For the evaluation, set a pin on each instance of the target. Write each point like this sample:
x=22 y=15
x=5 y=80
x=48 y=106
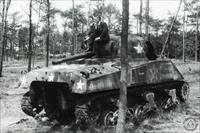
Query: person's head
x=97 y=18
x=91 y=19
x=149 y=45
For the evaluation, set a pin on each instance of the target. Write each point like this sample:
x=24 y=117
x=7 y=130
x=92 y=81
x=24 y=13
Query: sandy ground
x=12 y=119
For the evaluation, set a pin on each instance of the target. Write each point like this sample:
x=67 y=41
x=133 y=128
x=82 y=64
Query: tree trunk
x=30 y=37
x=11 y=50
x=140 y=26
x=76 y=41
x=137 y=25
x=196 y=37
x=124 y=69
x=82 y=28
x=147 y=21
x=5 y=42
x=73 y=32
x=48 y=30
x=3 y=34
x=103 y=11
x=5 y=27
x=156 y=33
x=109 y=22
x=183 y=32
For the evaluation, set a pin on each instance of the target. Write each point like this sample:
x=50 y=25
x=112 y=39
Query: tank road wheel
x=27 y=107
x=141 y=112
x=138 y=113
x=184 y=93
x=109 y=118
x=129 y=114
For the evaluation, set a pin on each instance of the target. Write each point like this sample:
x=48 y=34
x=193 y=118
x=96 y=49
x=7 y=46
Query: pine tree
x=140 y=24
x=47 y=30
x=147 y=20
x=4 y=32
x=30 y=37
x=124 y=69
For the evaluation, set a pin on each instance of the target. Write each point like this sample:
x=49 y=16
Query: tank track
x=101 y=108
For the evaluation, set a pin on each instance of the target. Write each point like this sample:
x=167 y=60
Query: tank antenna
x=164 y=46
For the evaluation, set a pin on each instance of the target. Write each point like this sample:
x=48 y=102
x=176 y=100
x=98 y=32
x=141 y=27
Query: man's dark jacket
x=102 y=32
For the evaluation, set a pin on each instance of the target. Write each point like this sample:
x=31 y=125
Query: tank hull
x=91 y=91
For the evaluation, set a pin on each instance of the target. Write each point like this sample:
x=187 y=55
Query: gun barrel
x=75 y=57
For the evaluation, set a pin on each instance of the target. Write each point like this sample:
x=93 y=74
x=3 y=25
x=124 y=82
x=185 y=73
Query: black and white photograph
x=99 y=66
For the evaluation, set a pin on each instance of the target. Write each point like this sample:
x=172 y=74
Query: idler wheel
x=184 y=92
x=141 y=112
x=109 y=118
x=27 y=107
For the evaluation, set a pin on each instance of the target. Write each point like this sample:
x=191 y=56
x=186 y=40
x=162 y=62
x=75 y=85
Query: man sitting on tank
x=150 y=52
x=98 y=34
x=91 y=34
x=101 y=33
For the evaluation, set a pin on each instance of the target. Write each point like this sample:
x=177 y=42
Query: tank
x=84 y=88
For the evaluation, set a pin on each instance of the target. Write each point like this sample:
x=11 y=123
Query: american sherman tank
x=84 y=88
